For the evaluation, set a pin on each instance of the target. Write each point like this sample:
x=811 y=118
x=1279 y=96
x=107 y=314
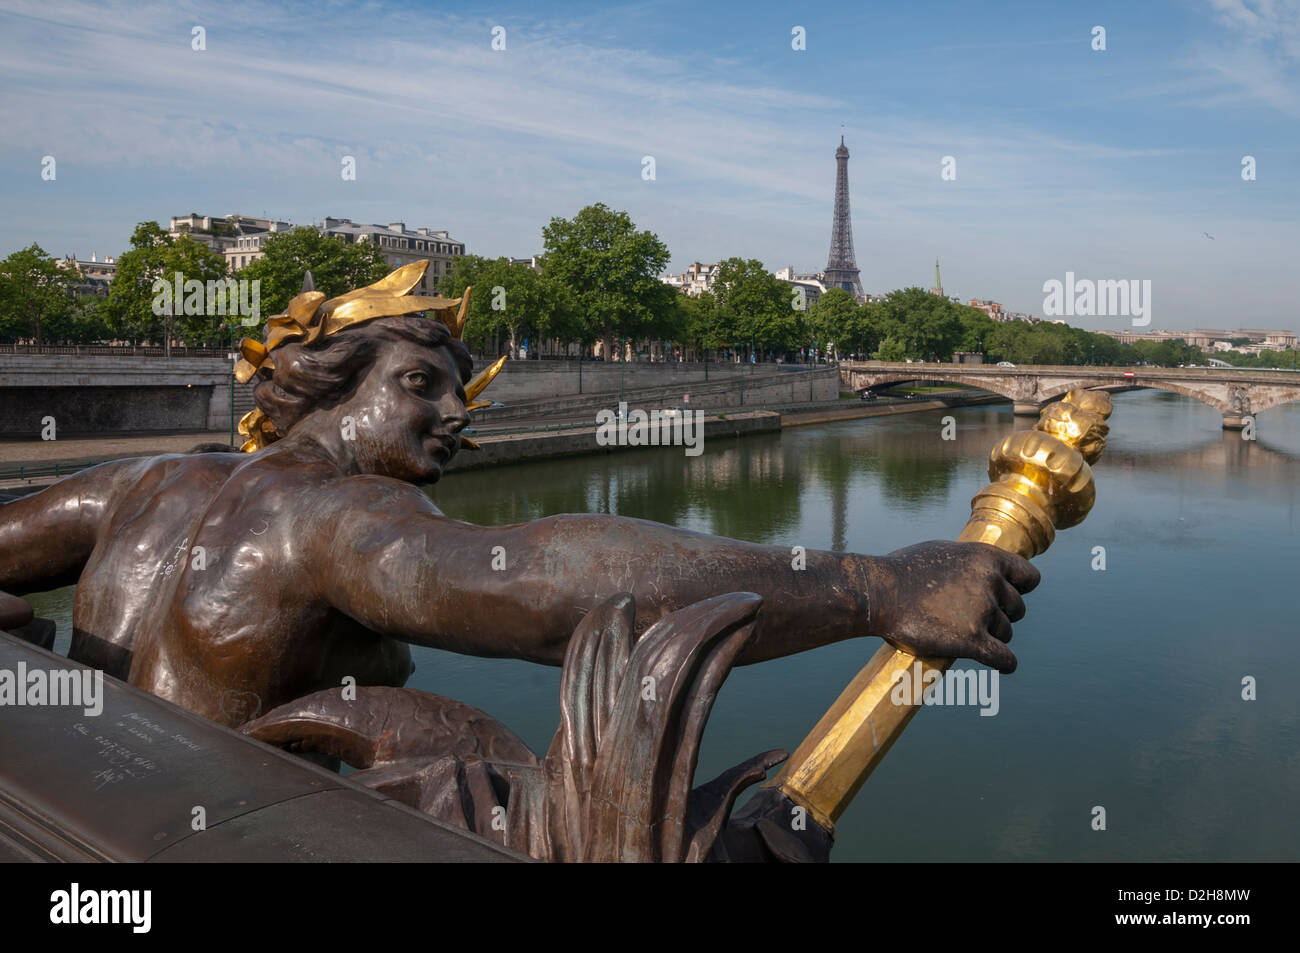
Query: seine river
x=1129 y=692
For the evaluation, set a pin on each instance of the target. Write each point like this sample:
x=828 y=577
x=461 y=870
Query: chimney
x=397 y=226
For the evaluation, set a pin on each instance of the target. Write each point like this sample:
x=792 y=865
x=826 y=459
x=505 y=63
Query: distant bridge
x=1237 y=393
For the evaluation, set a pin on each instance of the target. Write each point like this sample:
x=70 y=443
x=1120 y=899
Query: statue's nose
x=455 y=416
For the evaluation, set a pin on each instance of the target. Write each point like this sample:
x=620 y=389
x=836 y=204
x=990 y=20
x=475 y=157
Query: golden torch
x=1041 y=482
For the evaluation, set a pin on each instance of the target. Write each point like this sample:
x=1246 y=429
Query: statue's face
x=407 y=410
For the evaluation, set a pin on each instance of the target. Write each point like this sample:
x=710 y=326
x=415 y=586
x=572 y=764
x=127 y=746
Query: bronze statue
x=233 y=583
x=615 y=784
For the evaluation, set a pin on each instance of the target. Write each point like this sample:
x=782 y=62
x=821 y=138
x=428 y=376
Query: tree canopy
x=511 y=302
x=612 y=271
x=34 y=294
x=130 y=311
x=336 y=266
x=755 y=307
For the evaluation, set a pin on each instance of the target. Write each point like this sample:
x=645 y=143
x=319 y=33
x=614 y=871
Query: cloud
x=1270 y=23
x=450 y=133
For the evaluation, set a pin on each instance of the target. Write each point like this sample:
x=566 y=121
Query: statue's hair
x=308 y=377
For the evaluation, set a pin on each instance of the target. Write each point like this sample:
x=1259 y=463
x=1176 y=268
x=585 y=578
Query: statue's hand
x=953 y=600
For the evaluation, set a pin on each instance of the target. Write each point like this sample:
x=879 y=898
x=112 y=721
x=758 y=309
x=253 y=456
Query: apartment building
x=242 y=239
x=695 y=280
x=401 y=246
x=813 y=285
x=93 y=275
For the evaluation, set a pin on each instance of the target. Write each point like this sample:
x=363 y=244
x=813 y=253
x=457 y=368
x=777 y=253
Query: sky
x=1122 y=163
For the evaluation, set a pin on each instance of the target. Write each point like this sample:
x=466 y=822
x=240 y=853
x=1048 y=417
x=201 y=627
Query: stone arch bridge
x=1237 y=393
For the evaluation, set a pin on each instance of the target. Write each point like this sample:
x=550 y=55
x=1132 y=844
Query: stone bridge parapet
x=1237 y=393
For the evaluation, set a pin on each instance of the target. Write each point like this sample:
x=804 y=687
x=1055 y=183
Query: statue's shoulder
x=379 y=494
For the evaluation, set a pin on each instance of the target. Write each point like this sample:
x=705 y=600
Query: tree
x=1010 y=342
x=922 y=325
x=866 y=330
x=336 y=266
x=755 y=307
x=611 y=269
x=976 y=329
x=699 y=321
x=833 y=320
x=134 y=310
x=82 y=322
x=1048 y=344
x=33 y=293
x=1101 y=349
x=512 y=301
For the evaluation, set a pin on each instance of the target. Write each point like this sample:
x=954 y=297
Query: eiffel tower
x=842 y=269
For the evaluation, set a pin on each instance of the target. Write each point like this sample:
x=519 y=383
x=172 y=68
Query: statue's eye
x=417 y=379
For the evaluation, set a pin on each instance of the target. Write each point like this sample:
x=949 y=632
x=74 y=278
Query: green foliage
x=527 y=305
x=34 y=296
x=923 y=326
x=756 y=306
x=892 y=349
x=612 y=270
x=837 y=320
x=336 y=266
x=1284 y=360
x=155 y=255
x=83 y=322
x=977 y=329
x=699 y=321
x=834 y=320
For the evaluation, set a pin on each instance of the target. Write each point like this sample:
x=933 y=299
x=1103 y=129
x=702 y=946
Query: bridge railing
x=115 y=350
x=920 y=368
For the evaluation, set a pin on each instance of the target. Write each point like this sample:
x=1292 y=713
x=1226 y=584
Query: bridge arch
x=1005 y=387
x=1058 y=391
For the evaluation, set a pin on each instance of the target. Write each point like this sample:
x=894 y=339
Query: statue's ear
x=307 y=283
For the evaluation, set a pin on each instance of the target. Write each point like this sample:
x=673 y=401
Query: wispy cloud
x=450 y=133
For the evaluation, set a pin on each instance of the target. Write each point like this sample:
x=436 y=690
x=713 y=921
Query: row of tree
x=598 y=286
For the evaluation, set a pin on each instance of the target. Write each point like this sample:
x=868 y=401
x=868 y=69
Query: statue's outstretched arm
x=519 y=591
x=46 y=538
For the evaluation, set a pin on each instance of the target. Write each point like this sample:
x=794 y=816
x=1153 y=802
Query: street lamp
x=742 y=381
x=230 y=326
x=705 y=342
x=622 y=370
x=812 y=369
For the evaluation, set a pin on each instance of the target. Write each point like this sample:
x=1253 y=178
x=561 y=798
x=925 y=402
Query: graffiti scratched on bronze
x=117 y=761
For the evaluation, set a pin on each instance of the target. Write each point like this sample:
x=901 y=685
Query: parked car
x=1005 y=364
